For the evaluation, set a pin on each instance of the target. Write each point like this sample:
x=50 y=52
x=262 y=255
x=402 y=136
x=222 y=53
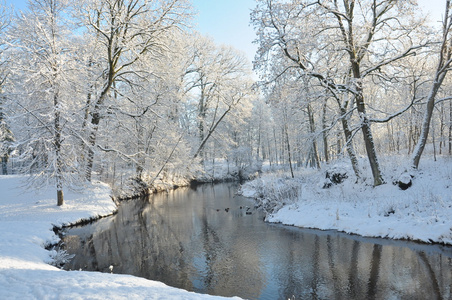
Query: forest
x=127 y=93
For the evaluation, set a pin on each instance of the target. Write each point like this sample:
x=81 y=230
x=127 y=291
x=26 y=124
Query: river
x=209 y=240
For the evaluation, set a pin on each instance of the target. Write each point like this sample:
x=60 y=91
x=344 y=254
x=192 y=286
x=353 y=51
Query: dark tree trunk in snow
x=5 y=164
x=95 y=120
x=348 y=144
x=324 y=133
x=450 y=128
x=444 y=63
x=365 y=123
x=314 y=156
x=289 y=154
x=422 y=141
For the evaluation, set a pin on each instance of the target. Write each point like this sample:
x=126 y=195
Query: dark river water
x=206 y=240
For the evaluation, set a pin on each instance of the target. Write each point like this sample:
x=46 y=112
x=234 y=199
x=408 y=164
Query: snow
x=405 y=178
x=26 y=223
x=421 y=213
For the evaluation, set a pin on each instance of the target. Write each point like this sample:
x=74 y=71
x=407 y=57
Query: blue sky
x=227 y=21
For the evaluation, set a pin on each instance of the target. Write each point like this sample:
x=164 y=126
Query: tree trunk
x=422 y=141
x=95 y=120
x=441 y=72
x=325 y=134
x=314 y=153
x=365 y=127
x=349 y=145
x=277 y=156
x=339 y=143
x=270 y=157
x=258 y=139
x=289 y=154
x=60 y=198
x=201 y=121
x=441 y=130
x=433 y=142
x=391 y=142
x=199 y=152
x=5 y=164
x=90 y=154
x=141 y=157
x=5 y=156
x=371 y=152
x=450 y=127
x=58 y=145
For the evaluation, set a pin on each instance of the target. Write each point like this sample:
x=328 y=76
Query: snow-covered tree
x=342 y=44
x=143 y=128
x=442 y=68
x=6 y=136
x=124 y=31
x=44 y=67
x=218 y=82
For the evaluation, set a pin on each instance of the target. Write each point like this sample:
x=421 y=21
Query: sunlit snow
x=422 y=212
x=26 y=222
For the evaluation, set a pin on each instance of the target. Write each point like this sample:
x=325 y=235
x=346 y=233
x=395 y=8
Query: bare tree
x=443 y=66
x=126 y=31
x=43 y=59
x=362 y=36
x=217 y=80
x=6 y=136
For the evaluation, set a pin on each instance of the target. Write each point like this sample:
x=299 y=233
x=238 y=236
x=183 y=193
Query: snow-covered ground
x=26 y=222
x=423 y=212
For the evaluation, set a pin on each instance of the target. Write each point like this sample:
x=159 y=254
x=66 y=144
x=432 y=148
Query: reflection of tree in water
x=331 y=249
x=229 y=255
x=186 y=239
x=353 y=279
x=337 y=267
x=134 y=244
x=156 y=238
x=374 y=272
x=432 y=276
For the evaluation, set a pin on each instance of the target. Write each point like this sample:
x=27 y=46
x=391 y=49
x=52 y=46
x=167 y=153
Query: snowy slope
x=26 y=222
x=423 y=212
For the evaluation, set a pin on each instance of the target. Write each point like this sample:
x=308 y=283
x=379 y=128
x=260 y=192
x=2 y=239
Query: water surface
x=206 y=240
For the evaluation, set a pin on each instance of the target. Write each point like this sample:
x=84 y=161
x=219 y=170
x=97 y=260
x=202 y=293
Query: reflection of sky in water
x=187 y=239
x=200 y=265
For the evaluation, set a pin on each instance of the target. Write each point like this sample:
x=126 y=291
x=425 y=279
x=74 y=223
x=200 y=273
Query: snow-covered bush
x=404 y=181
x=59 y=258
x=335 y=175
x=271 y=192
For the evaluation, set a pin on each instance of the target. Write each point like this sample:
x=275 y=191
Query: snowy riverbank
x=26 y=222
x=423 y=212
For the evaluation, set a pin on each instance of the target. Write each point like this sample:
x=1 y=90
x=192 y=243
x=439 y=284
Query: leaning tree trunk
x=348 y=144
x=445 y=60
x=95 y=120
x=289 y=154
x=422 y=141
